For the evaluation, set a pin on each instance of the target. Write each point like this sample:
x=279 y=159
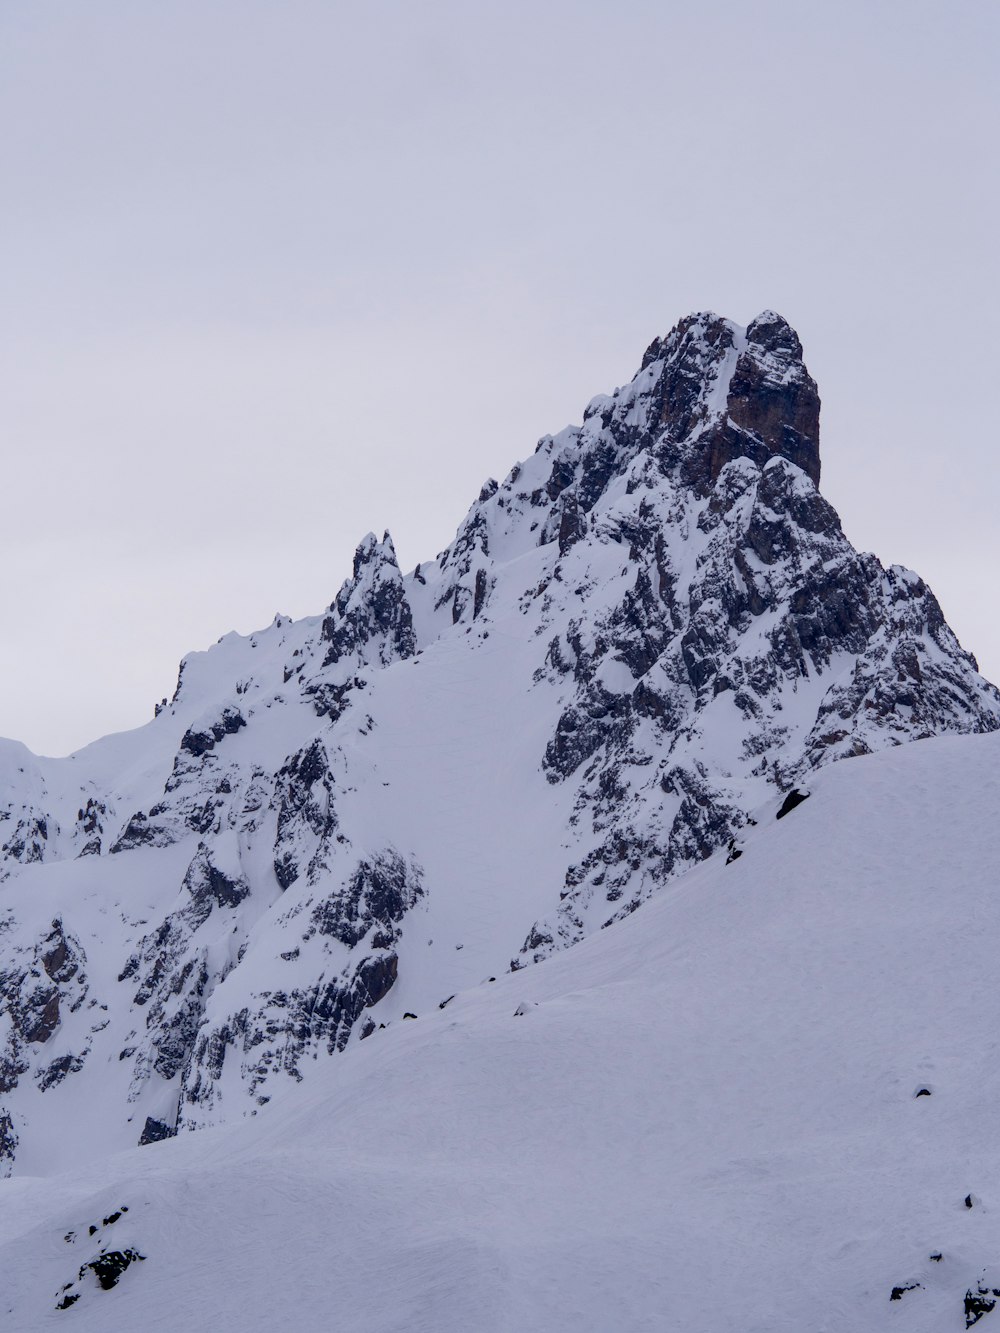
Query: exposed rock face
x=778 y=601
x=199 y=741
x=713 y=393
x=8 y=1144
x=653 y=627
x=773 y=397
x=307 y=819
x=27 y=840
x=41 y=981
x=371 y=608
x=155 y=1131
x=174 y=969
x=355 y=930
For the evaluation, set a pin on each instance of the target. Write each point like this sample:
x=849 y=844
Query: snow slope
x=705 y=1116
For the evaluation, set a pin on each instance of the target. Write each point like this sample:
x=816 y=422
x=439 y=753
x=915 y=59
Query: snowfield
x=706 y=1116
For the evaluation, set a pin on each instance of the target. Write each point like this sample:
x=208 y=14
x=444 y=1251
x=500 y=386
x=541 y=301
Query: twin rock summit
x=651 y=629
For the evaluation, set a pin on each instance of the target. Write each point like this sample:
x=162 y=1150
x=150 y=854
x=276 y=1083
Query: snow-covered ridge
x=650 y=628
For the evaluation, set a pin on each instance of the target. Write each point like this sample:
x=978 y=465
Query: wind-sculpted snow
x=649 y=629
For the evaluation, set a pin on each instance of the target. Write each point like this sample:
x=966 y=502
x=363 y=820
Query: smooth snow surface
x=703 y=1117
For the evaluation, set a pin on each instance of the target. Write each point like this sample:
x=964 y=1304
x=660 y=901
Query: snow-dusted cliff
x=650 y=629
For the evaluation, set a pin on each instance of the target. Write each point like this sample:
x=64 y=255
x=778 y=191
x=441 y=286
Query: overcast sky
x=274 y=274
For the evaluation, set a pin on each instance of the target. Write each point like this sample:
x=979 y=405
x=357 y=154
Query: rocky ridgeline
x=691 y=634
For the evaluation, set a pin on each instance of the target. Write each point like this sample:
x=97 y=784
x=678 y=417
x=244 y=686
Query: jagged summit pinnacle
x=726 y=392
x=771 y=331
x=371 y=606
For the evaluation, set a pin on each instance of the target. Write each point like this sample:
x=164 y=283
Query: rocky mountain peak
x=650 y=630
x=772 y=398
x=706 y=394
x=721 y=392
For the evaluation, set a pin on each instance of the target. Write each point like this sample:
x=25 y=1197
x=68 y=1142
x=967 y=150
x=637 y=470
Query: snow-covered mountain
x=652 y=629
x=765 y=1103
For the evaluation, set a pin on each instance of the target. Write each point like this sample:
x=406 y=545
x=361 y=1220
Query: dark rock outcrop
x=155 y=1131
x=42 y=981
x=199 y=740
x=371 y=611
x=110 y=1265
x=307 y=819
x=8 y=1143
x=978 y=1302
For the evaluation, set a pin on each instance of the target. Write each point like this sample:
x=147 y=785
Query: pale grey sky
x=275 y=274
